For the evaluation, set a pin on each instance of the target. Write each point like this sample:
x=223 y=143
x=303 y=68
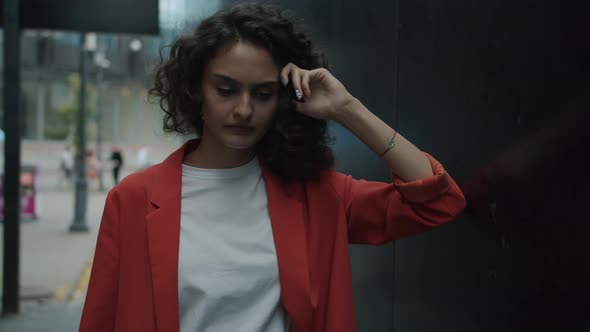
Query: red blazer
x=134 y=281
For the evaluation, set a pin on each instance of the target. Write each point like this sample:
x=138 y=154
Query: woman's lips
x=241 y=129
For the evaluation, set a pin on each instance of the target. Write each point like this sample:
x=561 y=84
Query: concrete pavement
x=51 y=316
x=52 y=257
x=55 y=264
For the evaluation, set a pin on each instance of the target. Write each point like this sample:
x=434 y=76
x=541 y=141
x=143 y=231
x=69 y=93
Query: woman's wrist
x=348 y=111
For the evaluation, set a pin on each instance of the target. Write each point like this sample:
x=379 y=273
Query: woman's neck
x=208 y=155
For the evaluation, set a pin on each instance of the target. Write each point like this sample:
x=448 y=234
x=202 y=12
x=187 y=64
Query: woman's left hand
x=324 y=96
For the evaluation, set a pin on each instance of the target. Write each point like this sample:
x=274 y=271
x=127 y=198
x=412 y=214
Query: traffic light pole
x=81 y=196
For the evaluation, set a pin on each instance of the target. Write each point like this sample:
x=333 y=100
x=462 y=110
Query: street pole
x=40 y=106
x=116 y=117
x=99 y=111
x=81 y=196
x=11 y=181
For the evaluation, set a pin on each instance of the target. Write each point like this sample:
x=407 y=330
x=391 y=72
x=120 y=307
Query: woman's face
x=240 y=95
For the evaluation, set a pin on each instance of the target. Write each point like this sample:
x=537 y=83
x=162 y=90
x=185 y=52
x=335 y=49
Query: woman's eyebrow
x=234 y=81
x=225 y=78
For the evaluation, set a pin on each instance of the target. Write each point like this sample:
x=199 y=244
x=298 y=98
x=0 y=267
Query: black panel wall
x=499 y=90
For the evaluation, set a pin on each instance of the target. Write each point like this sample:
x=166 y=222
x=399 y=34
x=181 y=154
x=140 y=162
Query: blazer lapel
x=163 y=229
x=289 y=231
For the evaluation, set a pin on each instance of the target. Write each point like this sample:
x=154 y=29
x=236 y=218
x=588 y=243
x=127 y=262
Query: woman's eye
x=264 y=95
x=224 y=91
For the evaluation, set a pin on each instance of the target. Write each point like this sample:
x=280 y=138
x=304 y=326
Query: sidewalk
x=52 y=316
x=51 y=257
x=54 y=264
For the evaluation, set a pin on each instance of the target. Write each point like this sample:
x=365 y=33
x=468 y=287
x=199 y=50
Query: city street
x=51 y=316
x=55 y=263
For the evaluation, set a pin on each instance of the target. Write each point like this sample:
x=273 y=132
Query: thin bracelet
x=390 y=144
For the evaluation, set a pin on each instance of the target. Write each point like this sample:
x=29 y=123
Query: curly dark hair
x=296 y=147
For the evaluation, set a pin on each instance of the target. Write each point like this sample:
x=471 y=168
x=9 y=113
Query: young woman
x=247 y=227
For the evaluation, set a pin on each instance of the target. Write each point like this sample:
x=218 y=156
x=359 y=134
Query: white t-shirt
x=228 y=278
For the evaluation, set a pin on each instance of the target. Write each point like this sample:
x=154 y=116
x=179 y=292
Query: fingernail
x=285 y=81
x=298 y=94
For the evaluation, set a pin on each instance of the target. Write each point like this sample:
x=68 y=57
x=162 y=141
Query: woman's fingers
x=285 y=74
x=305 y=83
x=294 y=74
x=318 y=74
x=296 y=80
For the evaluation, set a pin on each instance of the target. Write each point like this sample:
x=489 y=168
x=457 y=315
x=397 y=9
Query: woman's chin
x=243 y=144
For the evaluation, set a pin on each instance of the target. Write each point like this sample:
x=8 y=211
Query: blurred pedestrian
x=116 y=163
x=93 y=167
x=66 y=166
x=247 y=228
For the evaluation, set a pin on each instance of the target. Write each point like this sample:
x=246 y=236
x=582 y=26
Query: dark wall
x=498 y=91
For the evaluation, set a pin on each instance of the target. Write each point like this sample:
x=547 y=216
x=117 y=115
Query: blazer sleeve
x=101 y=298
x=379 y=212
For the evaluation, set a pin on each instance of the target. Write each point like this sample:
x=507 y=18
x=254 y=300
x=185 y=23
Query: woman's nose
x=244 y=108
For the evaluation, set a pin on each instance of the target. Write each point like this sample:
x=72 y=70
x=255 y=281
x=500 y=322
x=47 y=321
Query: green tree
x=69 y=113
